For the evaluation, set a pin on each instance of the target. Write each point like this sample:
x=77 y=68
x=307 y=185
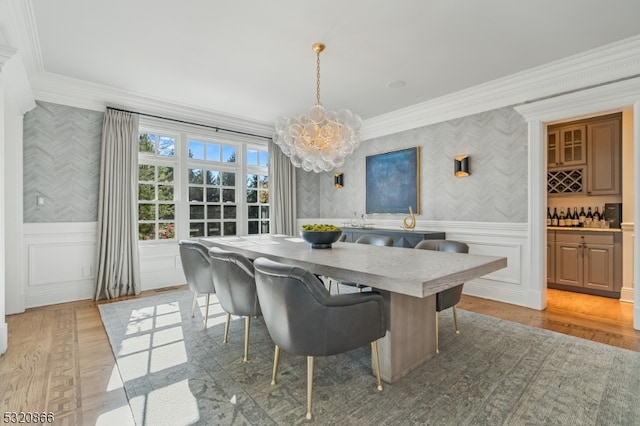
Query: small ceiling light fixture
x=319 y=141
x=461 y=166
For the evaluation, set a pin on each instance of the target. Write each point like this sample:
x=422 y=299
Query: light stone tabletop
x=413 y=272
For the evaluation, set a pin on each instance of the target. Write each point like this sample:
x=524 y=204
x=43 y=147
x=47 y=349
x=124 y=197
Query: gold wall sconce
x=461 y=166
x=338 y=180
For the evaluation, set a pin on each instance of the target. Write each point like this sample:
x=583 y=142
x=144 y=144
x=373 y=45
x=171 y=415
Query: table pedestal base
x=410 y=340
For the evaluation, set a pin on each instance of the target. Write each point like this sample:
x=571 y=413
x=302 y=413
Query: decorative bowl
x=320 y=239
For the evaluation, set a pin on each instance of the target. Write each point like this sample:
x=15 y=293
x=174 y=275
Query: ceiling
x=253 y=59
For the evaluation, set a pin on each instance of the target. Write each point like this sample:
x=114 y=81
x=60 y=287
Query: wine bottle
x=589 y=214
x=582 y=216
x=554 y=218
x=548 y=216
x=596 y=216
x=576 y=219
x=562 y=221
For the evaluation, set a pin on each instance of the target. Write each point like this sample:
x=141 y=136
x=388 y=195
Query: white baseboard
x=626 y=294
x=4 y=337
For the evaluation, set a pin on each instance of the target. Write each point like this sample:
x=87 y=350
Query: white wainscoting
x=59 y=263
x=510 y=285
x=160 y=265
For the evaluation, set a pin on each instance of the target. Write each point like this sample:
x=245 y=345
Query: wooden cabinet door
x=598 y=266
x=553 y=148
x=603 y=176
x=573 y=144
x=569 y=263
x=551 y=257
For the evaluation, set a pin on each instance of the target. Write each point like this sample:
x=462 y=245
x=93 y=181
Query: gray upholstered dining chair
x=235 y=283
x=196 y=266
x=450 y=297
x=304 y=319
x=371 y=239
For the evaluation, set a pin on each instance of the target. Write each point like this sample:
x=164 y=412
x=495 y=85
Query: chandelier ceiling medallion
x=320 y=140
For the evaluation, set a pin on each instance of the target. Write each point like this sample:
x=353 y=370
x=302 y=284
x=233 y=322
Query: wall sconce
x=338 y=180
x=461 y=166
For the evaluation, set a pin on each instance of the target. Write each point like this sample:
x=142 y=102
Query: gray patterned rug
x=494 y=373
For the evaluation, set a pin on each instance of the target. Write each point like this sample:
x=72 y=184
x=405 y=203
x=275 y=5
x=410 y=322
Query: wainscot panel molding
x=59 y=262
x=160 y=265
x=510 y=285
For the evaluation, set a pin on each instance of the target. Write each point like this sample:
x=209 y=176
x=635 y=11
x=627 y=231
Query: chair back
x=449 y=246
x=235 y=283
x=196 y=266
x=375 y=240
x=304 y=319
x=451 y=296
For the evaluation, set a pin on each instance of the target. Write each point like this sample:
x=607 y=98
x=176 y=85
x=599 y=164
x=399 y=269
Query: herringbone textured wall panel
x=496 y=190
x=61 y=163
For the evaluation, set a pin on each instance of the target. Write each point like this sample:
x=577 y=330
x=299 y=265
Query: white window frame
x=260 y=169
x=181 y=162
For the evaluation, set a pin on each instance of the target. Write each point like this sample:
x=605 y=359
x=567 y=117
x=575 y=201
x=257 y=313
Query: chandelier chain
x=320 y=140
x=318 y=78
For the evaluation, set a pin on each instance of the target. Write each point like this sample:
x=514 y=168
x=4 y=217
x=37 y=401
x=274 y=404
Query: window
x=156 y=187
x=257 y=191
x=213 y=210
x=191 y=185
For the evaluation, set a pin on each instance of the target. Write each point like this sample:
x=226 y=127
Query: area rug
x=494 y=372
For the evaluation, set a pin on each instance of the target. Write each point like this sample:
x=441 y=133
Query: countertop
x=579 y=229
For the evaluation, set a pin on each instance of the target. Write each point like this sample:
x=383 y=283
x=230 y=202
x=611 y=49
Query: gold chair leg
x=226 y=328
x=276 y=360
x=247 y=324
x=376 y=362
x=206 y=311
x=309 y=385
x=437 y=317
x=193 y=305
x=455 y=319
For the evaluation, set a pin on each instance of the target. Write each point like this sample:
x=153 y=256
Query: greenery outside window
x=156 y=187
x=195 y=183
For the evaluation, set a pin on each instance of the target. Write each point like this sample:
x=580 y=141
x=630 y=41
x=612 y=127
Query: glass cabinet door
x=574 y=146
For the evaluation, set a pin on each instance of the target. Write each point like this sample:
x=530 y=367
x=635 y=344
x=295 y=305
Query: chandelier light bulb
x=320 y=140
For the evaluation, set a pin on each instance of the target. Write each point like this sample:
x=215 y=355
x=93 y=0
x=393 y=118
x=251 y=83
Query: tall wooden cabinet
x=584 y=157
x=603 y=157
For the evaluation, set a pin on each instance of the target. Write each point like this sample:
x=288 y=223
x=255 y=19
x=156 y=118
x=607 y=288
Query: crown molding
x=594 y=101
x=62 y=90
x=598 y=66
x=14 y=78
x=22 y=32
x=6 y=53
x=609 y=63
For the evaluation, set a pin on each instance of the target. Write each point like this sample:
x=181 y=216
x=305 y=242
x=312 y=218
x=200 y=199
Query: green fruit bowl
x=319 y=239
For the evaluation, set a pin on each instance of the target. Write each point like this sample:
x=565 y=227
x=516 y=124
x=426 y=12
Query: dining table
x=407 y=278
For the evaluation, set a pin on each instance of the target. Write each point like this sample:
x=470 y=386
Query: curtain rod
x=217 y=129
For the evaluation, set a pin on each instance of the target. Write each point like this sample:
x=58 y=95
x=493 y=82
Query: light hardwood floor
x=60 y=361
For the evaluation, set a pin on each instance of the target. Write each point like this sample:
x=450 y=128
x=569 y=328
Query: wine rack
x=565 y=181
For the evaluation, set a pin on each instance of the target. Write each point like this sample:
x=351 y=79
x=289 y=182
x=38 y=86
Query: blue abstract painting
x=393 y=181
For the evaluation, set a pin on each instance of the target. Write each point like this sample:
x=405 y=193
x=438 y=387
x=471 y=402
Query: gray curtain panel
x=118 y=266
x=282 y=175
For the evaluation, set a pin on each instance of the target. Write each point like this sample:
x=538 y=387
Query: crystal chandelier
x=318 y=141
